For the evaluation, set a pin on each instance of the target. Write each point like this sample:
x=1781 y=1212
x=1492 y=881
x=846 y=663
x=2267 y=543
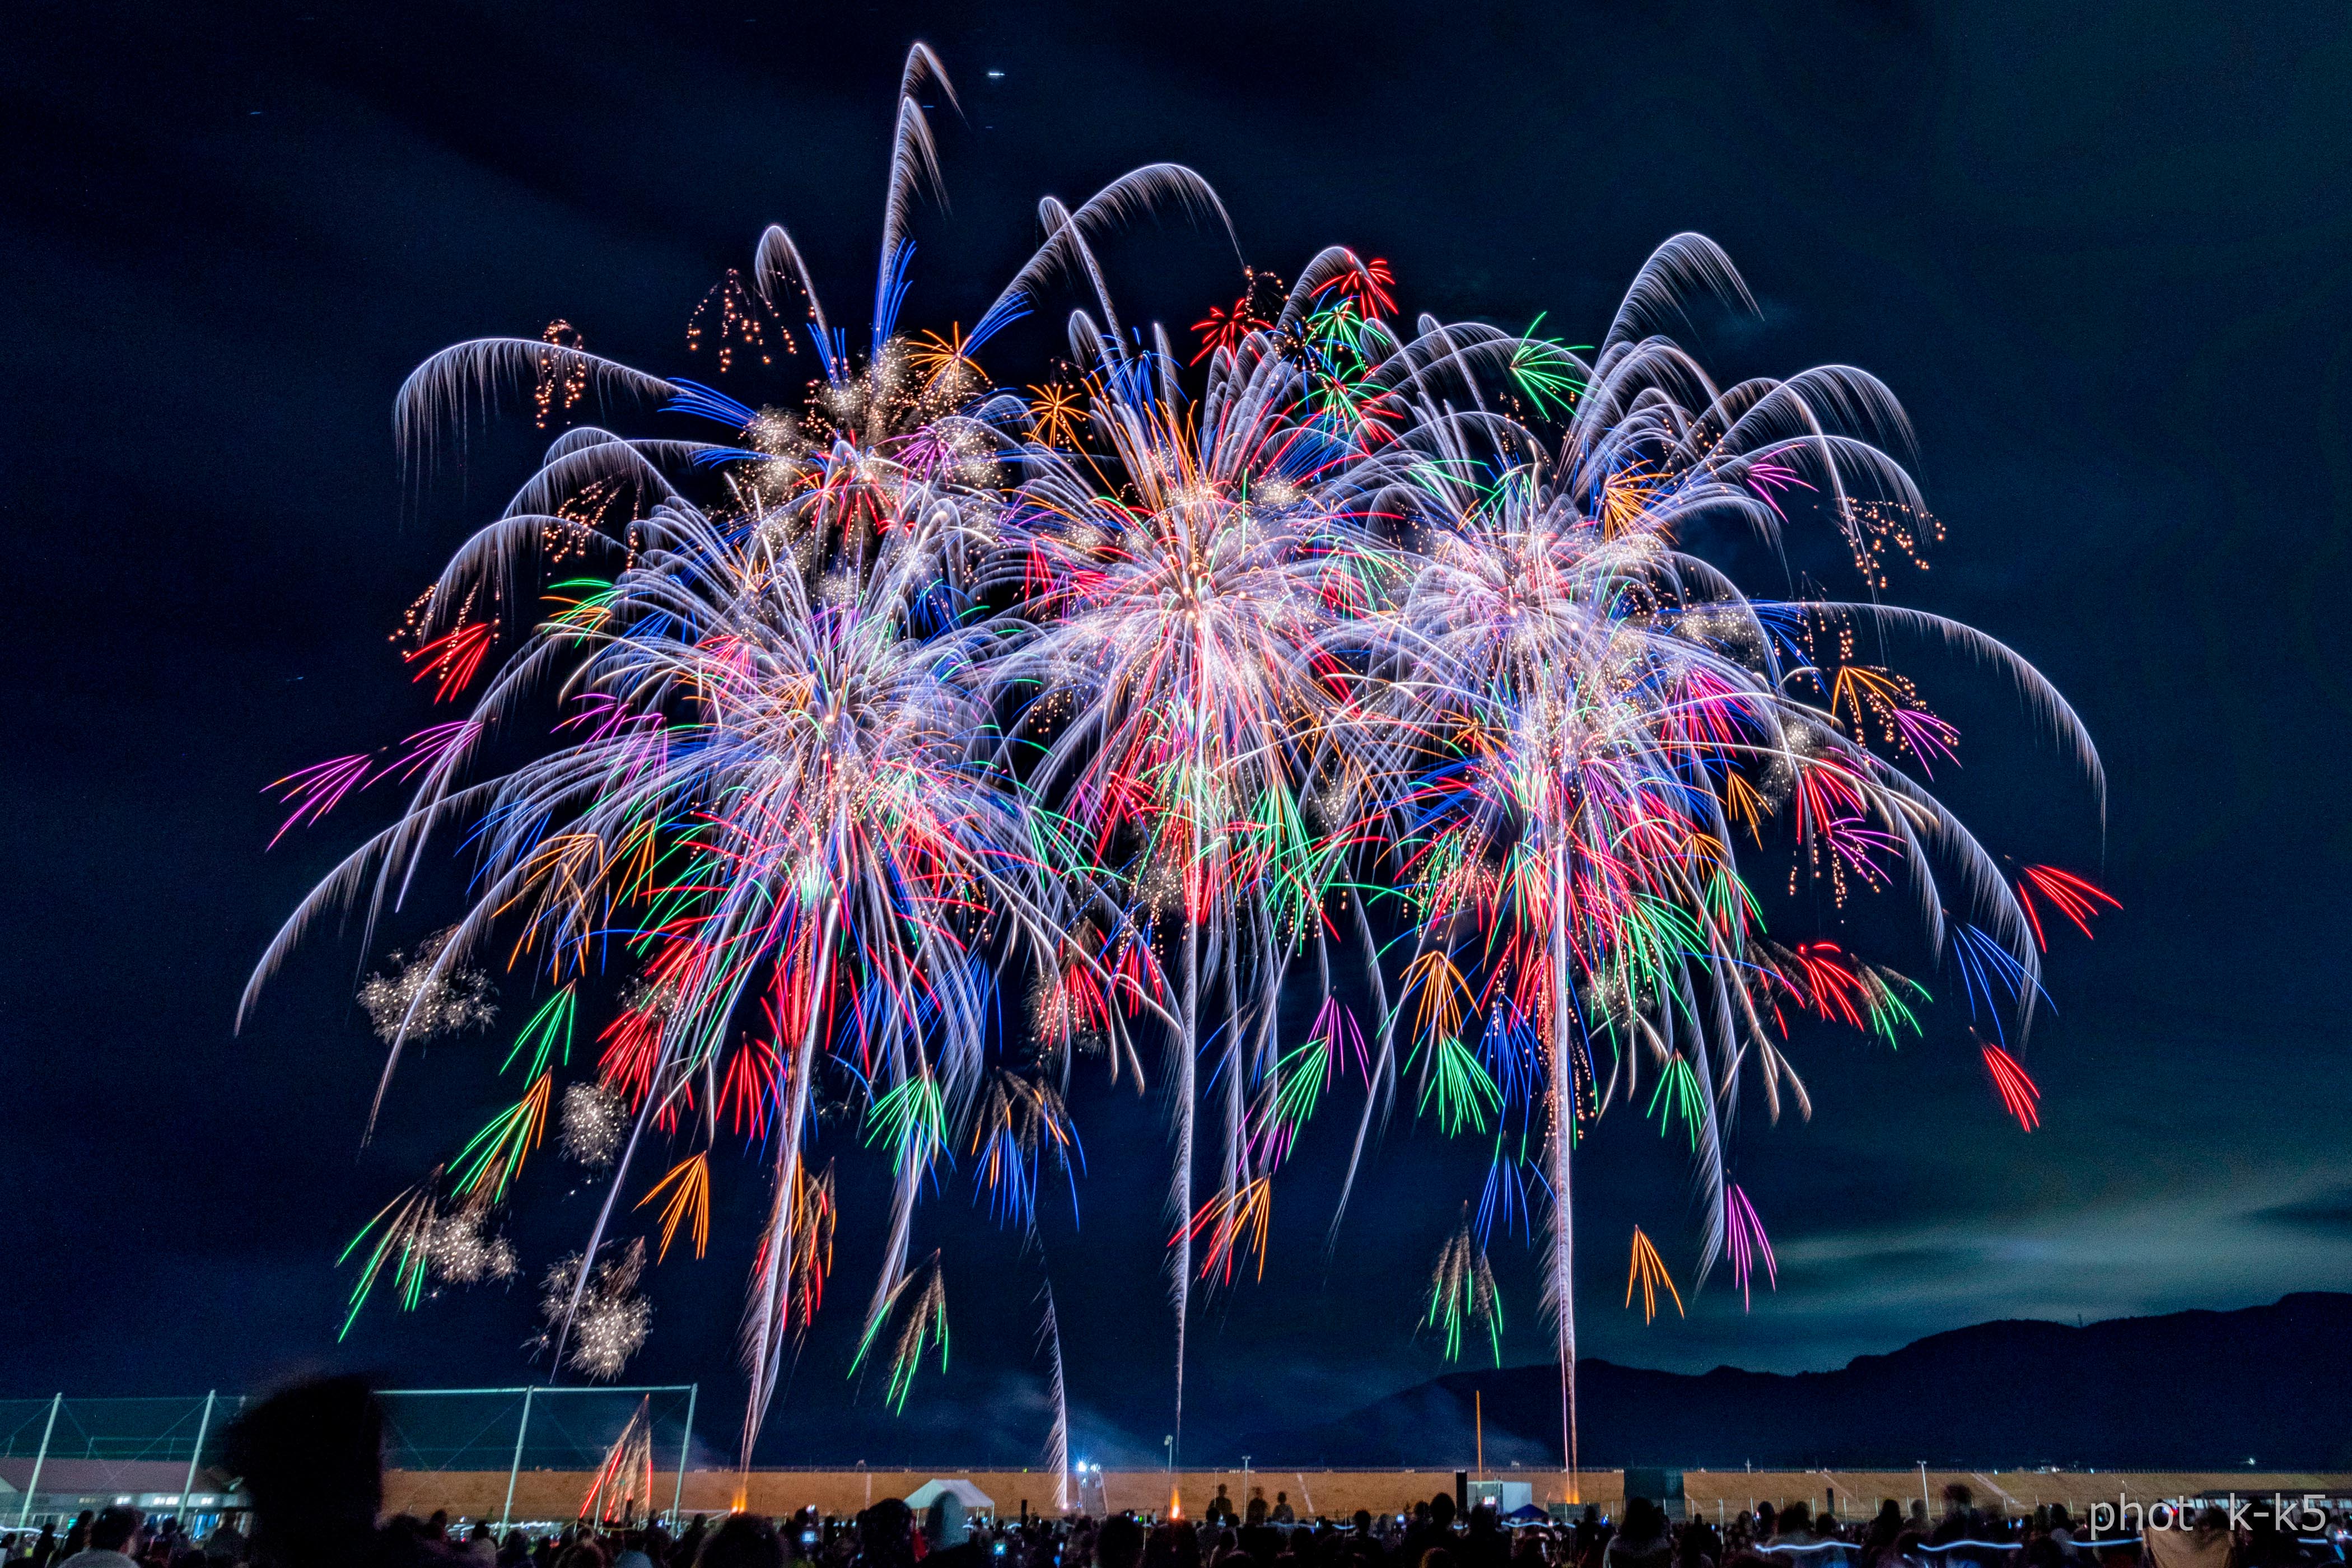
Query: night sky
x=2104 y=255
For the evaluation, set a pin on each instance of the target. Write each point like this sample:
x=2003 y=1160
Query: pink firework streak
x=1744 y=1238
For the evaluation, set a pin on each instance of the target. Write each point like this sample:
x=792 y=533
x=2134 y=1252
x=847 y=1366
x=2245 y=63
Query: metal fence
x=63 y=1453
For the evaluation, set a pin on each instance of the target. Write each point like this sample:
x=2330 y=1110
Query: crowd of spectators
x=1261 y=1535
x=310 y=1462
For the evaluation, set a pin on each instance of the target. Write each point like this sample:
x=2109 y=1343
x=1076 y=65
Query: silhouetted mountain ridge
x=2199 y=1390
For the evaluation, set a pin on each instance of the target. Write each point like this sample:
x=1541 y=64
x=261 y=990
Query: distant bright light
x=996 y=76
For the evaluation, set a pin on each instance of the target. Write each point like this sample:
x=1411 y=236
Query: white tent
x=974 y=1500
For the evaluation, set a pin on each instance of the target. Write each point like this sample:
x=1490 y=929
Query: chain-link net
x=558 y=1428
x=61 y=1455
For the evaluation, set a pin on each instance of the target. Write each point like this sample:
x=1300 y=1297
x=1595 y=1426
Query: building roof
x=74 y=1477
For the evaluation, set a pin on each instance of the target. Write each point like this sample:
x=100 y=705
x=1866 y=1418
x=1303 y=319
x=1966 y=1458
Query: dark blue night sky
x=2103 y=254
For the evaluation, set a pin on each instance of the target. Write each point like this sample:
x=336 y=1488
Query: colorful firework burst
x=1333 y=659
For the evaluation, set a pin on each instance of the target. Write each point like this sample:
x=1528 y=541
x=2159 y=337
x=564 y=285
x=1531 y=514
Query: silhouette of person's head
x=313 y=1459
x=1120 y=1543
x=116 y=1530
x=744 y=1541
x=943 y=1521
x=886 y=1535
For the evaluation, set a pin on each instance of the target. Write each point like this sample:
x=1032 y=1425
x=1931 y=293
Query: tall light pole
x=685 y=1445
x=514 y=1468
x=204 y=1428
x=25 y=1514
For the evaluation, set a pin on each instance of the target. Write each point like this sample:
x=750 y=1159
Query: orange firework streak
x=1649 y=1270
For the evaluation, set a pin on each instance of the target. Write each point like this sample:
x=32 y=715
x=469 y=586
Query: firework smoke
x=608 y=1319
x=596 y=1124
x=425 y=1000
